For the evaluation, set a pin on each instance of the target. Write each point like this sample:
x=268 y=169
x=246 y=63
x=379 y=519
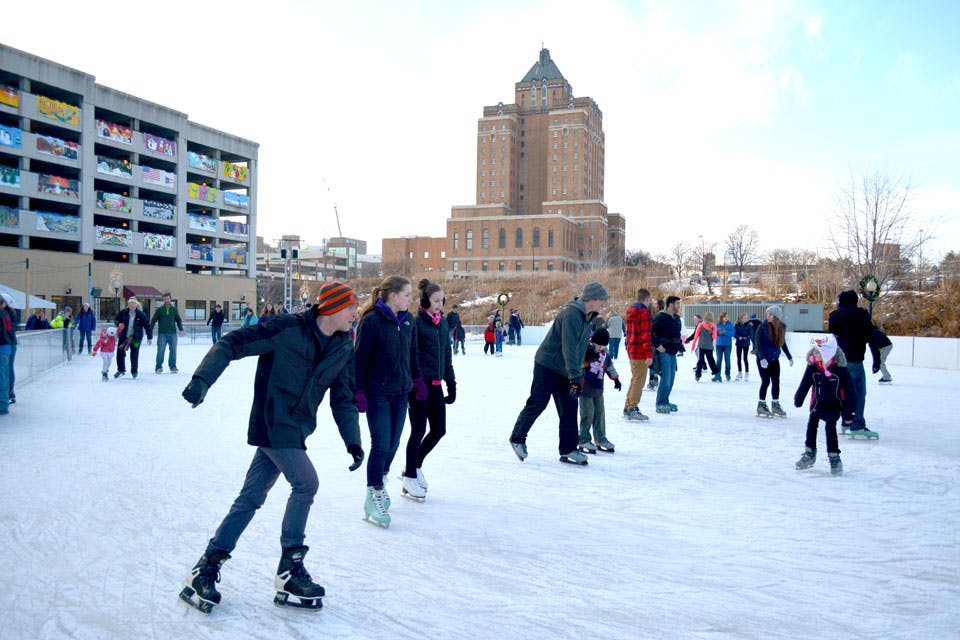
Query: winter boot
x=762 y=410
x=574 y=457
x=587 y=447
x=294 y=586
x=777 y=410
x=413 y=490
x=807 y=460
x=836 y=467
x=373 y=509
x=606 y=446
x=520 y=449
x=200 y=587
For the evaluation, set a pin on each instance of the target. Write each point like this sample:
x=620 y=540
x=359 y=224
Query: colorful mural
x=114 y=167
x=201 y=192
x=159 y=145
x=11 y=136
x=235 y=199
x=57 y=147
x=234 y=228
x=203 y=223
x=158 y=242
x=113 y=201
x=201 y=161
x=114 y=131
x=10 y=177
x=238 y=171
x=113 y=237
x=59 y=111
x=57 y=186
x=202 y=252
x=160 y=210
x=9 y=96
x=235 y=255
x=159 y=176
x=57 y=222
x=9 y=216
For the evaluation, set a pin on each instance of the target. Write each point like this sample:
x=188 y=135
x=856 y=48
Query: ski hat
x=601 y=337
x=334 y=296
x=111 y=331
x=827 y=346
x=68 y=310
x=775 y=311
x=594 y=291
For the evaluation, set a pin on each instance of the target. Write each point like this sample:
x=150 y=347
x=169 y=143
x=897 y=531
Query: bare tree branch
x=742 y=247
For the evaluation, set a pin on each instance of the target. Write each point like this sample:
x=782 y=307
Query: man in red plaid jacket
x=640 y=352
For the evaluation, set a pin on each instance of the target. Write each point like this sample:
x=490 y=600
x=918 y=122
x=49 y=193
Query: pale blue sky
x=716 y=113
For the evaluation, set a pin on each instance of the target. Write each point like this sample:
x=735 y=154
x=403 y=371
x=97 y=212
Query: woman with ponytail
x=436 y=363
x=387 y=368
x=771 y=340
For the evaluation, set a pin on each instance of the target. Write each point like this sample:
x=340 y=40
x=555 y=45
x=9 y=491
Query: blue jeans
x=859 y=377
x=4 y=378
x=13 y=371
x=216 y=333
x=164 y=340
x=266 y=467
x=723 y=358
x=385 y=417
x=668 y=371
x=88 y=336
x=614 y=347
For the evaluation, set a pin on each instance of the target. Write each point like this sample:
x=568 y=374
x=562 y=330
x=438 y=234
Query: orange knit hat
x=334 y=296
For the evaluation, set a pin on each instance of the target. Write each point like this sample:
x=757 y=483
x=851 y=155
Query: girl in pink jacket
x=703 y=338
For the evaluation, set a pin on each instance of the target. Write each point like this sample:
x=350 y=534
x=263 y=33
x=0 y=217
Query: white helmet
x=111 y=331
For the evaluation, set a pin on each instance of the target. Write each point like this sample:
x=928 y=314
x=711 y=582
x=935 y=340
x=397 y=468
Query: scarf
x=436 y=317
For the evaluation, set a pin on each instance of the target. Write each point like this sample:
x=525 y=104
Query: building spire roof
x=543 y=69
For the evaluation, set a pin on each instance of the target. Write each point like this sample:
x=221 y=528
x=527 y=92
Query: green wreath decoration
x=503 y=299
x=870 y=287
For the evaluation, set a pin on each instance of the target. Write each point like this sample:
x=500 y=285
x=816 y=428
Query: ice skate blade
x=606 y=450
x=856 y=435
x=284 y=599
x=567 y=460
x=190 y=596
x=585 y=450
x=409 y=496
x=384 y=525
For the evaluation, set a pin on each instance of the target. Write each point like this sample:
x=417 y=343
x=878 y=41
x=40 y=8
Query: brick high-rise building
x=540 y=179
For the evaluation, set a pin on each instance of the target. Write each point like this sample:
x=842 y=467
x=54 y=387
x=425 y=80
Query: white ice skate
x=413 y=490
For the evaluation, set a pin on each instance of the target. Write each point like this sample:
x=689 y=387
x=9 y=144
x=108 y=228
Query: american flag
x=152 y=175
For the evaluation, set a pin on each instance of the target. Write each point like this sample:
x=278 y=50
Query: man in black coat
x=301 y=356
x=853 y=328
x=131 y=324
x=455 y=325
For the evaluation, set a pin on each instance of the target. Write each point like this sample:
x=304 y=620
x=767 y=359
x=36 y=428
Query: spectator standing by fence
x=215 y=322
x=86 y=323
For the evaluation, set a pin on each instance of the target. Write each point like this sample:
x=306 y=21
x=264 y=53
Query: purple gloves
x=361 y=398
x=419 y=390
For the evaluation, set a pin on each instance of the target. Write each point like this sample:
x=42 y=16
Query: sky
x=698 y=526
x=716 y=113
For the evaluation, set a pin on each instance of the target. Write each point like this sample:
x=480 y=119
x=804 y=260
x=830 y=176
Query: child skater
x=596 y=363
x=107 y=346
x=490 y=337
x=771 y=339
x=436 y=364
x=833 y=395
x=387 y=368
x=703 y=338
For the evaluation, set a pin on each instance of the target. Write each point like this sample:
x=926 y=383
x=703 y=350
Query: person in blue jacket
x=387 y=368
x=724 y=343
x=86 y=322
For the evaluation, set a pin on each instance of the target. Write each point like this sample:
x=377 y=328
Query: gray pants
x=592 y=414
x=267 y=465
x=167 y=340
x=884 y=352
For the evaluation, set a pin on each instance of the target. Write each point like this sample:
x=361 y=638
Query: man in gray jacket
x=558 y=374
x=301 y=356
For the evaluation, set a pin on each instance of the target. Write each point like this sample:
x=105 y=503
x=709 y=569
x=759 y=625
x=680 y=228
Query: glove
x=195 y=391
x=790 y=360
x=576 y=387
x=451 y=396
x=763 y=363
x=876 y=367
x=420 y=389
x=357 y=454
x=361 y=399
x=94 y=354
x=617 y=384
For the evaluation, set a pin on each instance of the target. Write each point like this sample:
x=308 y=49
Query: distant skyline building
x=539 y=185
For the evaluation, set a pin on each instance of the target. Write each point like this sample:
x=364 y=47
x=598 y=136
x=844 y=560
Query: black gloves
x=617 y=384
x=195 y=391
x=576 y=387
x=357 y=454
x=451 y=396
x=876 y=367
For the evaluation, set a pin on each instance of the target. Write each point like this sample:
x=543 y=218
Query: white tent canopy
x=19 y=297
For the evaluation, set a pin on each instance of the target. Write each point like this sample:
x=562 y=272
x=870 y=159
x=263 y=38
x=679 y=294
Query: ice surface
x=698 y=526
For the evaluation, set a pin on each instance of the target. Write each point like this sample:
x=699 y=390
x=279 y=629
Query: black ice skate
x=294 y=586
x=201 y=585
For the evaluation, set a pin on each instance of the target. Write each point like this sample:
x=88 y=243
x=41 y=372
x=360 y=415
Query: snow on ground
x=698 y=527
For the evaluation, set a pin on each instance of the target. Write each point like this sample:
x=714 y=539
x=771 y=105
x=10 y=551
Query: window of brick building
x=469 y=245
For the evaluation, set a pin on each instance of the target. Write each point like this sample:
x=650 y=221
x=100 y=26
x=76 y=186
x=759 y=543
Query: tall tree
x=741 y=247
x=678 y=258
x=874 y=226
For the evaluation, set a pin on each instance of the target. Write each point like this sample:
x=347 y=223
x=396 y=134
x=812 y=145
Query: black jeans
x=134 y=359
x=434 y=411
x=708 y=354
x=769 y=375
x=549 y=384
x=830 y=428
x=742 y=355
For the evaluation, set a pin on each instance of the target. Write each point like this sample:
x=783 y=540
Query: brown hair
x=776 y=331
x=427 y=289
x=723 y=314
x=390 y=284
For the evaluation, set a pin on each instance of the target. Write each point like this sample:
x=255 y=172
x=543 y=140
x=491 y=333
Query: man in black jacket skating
x=301 y=356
